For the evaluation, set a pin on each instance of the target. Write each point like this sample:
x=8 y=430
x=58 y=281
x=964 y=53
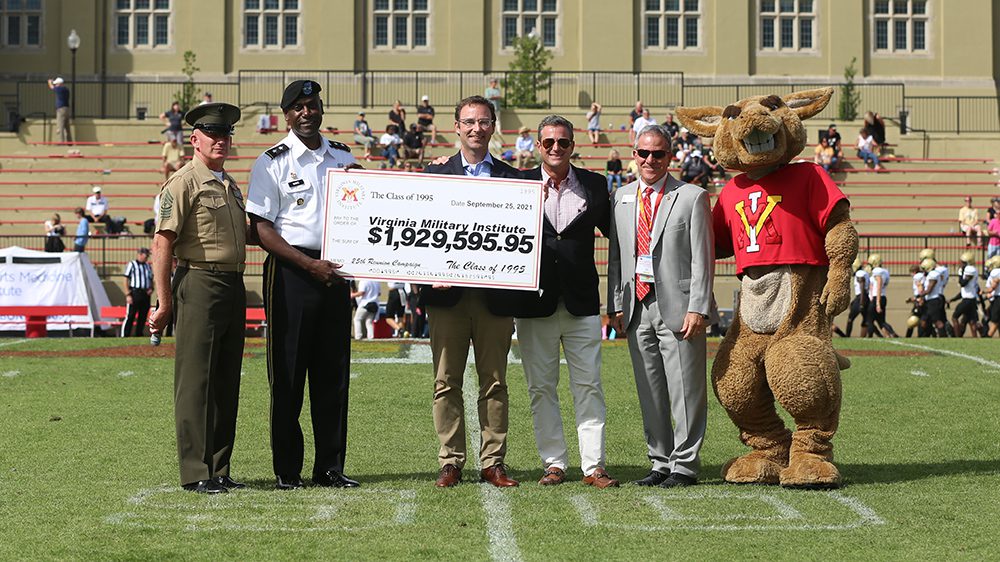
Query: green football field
x=88 y=469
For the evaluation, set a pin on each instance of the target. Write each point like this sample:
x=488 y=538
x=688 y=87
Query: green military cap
x=217 y=118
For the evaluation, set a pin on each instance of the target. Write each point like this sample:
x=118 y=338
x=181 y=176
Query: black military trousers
x=210 y=309
x=308 y=336
x=135 y=313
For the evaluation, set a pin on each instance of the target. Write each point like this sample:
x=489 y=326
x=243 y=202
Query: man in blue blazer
x=458 y=314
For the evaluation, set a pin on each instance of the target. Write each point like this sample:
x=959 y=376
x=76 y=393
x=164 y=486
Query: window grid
x=401 y=24
x=527 y=16
x=142 y=24
x=21 y=24
x=672 y=24
x=900 y=26
x=271 y=24
x=787 y=25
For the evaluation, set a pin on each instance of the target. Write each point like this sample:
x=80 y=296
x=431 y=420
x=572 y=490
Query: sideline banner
x=428 y=228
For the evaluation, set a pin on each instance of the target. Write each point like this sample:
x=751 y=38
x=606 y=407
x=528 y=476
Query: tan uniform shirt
x=207 y=215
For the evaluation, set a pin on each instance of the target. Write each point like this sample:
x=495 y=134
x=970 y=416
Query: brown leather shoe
x=553 y=475
x=497 y=475
x=449 y=476
x=600 y=479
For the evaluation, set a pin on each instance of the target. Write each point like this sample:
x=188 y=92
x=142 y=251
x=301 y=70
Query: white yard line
x=980 y=360
x=499 y=524
x=15 y=342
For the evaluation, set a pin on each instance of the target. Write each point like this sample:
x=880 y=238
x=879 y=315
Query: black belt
x=314 y=254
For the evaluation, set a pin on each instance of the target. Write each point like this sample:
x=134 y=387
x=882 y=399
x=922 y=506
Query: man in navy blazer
x=459 y=314
x=565 y=309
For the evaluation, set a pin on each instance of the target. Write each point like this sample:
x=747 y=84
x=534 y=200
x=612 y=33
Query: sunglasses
x=563 y=143
x=658 y=154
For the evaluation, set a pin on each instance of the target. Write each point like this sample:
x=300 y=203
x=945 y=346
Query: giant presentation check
x=426 y=228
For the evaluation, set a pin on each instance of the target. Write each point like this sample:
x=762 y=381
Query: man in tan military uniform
x=202 y=221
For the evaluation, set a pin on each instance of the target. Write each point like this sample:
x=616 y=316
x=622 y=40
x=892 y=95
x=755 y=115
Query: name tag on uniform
x=296 y=183
x=628 y=198
x=644 y=268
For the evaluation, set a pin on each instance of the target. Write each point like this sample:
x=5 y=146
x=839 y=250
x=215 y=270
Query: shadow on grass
x=853 y=473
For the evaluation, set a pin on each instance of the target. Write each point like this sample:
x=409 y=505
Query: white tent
x=32 y=278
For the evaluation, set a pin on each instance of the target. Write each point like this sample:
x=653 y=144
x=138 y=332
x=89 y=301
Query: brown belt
x=209 y=266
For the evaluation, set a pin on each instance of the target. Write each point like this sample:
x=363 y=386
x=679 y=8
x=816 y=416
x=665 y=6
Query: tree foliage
x=850 y=98
x=527 y=83
x=189 y=93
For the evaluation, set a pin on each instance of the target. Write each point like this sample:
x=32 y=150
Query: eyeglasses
x=563 y=143
x=658 y=154
x=483 y=123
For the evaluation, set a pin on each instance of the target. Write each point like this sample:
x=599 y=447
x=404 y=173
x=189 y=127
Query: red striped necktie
x=642 y=239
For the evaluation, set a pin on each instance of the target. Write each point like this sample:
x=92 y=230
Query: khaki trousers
x=451 y=329
x=62 y=124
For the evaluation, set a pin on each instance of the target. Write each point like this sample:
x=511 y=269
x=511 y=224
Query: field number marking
x=919 y=373
x=728 y=510
x=11 y=374
x=307 y=511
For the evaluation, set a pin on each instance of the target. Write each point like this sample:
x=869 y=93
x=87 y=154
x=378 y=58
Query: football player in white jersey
x=877 y=301
x=967 y=311
x=932 y=298
x=992 y=292
x=859 y=305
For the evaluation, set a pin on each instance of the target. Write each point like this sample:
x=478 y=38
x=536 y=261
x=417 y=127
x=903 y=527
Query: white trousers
x=364 y=322
x=538 y=339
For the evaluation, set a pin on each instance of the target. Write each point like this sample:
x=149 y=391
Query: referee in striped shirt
x=138 y=288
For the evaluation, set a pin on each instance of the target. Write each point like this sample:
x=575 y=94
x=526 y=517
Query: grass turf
x=88 y=470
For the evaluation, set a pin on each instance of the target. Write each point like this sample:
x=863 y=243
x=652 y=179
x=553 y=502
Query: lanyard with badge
x=644 y=262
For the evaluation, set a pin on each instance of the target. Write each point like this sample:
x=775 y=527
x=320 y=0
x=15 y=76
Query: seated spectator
x=363 y=134
x=672 y=126
x=632 y=116
x=641 y=123
x=413 y=143
x=207 y=98
x=868 y=150
x=824 y=155
x=876 y=126
x=54 y=230
x=594 y=123
x=425 y=117
x=631 y=171
x=408 y=167
x=173 y=118
x=968 y=223
x=97 y=208
x=683 y=144
x=614 y=170
x=993 y=229
x=833 y=139
x=397 y=116
x=173 y=157
x=695 y=170
x=390 y=142
x=713 y=165
x=524 y=147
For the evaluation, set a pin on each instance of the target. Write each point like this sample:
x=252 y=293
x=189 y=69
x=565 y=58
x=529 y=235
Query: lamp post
x=73 y=42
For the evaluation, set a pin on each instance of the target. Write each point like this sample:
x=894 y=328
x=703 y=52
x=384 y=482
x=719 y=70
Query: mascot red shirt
x=779 y=219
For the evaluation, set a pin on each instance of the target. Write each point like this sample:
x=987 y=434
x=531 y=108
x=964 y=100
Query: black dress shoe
x=292 y=482
x=205 y=487
x=676 y=479
x=652 y=479
x=334 y=479
x=228 y=483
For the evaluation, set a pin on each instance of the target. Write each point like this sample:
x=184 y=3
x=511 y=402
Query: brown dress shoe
x=600 y=479
x=449 y=476
x=497 y=475
x=553 y=475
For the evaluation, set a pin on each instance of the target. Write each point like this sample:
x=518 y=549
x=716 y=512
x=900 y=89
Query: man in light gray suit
x=660 y=273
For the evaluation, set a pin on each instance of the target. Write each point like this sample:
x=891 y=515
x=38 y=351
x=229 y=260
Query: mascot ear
x=702 y=121
x=807 y=103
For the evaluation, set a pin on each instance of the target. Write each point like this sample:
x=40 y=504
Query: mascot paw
x=835 y=299
x=753 y=468
x=810 y=472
